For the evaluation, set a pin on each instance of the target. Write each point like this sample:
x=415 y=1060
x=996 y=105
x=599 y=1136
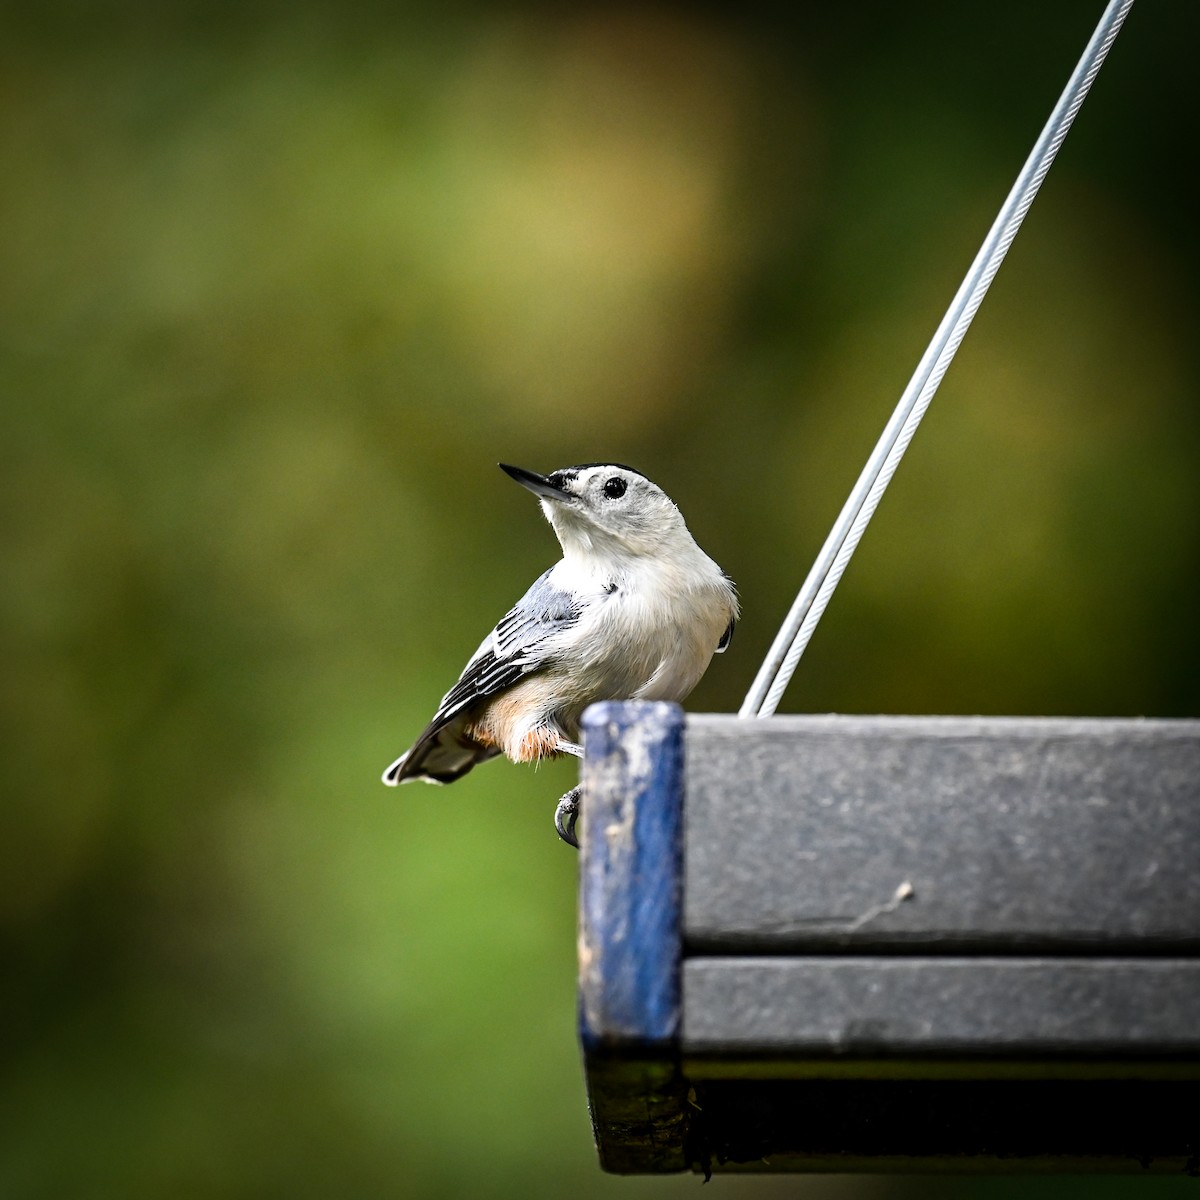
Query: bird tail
x=393 y=775
x=441 y=754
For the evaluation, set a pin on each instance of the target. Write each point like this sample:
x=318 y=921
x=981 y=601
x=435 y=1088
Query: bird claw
x=565 y=816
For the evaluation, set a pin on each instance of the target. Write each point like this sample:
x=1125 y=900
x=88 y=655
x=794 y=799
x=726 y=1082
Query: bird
x=634 y=610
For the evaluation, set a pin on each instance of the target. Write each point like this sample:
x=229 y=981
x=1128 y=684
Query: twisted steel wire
x=780 y=663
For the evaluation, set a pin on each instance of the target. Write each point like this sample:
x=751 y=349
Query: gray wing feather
x=520 y=644
x=727 y=636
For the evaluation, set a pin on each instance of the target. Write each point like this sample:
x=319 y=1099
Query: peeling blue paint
x=631 y=875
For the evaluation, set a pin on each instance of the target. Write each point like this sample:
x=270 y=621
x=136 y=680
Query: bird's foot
x=565 y=816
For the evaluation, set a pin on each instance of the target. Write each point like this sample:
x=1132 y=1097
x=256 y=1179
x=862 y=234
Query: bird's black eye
x=614 y=488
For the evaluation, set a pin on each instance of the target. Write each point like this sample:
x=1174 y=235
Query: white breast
x=649 y=639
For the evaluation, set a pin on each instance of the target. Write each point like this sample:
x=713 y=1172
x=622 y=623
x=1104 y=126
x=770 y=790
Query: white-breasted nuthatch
x=634 y=610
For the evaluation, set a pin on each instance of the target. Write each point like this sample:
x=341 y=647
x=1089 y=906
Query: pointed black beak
x=539 y=485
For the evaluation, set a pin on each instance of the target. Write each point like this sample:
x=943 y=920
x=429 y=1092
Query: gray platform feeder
x=890 y=943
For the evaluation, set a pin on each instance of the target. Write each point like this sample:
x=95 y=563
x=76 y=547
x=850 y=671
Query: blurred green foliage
x=279 y=284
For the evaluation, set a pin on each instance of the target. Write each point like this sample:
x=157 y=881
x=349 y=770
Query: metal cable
x=780 y=663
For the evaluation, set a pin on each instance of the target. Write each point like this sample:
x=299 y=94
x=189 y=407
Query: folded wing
x=527 y=637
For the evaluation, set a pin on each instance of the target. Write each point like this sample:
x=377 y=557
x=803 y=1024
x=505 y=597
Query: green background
x=280 y=283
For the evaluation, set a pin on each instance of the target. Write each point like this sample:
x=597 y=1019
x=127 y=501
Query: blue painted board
x=631 y=875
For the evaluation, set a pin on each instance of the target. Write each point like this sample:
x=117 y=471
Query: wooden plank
x=831 y=1011
x=630 y=900
x=942 y=834
x=630 y=934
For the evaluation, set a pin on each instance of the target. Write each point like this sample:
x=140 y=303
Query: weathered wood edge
x=631 y=934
